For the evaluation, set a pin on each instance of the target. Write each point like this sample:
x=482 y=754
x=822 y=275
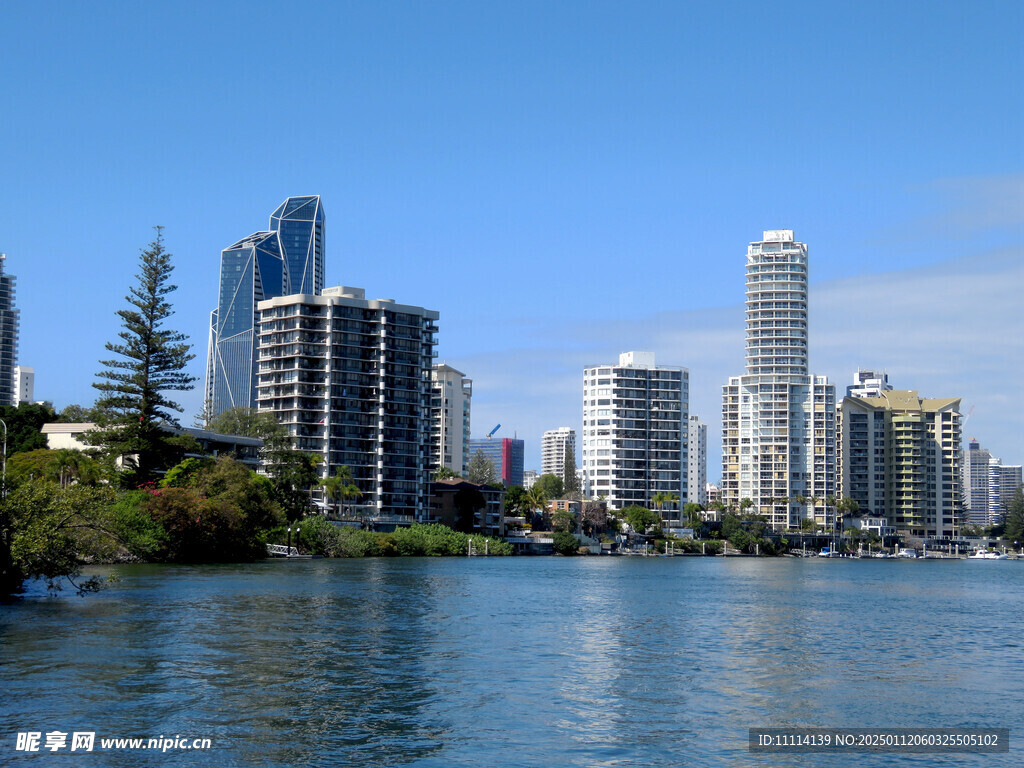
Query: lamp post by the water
x=289 y=540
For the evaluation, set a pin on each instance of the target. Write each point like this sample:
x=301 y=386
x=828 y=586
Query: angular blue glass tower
x=300 y=222
x=284 y=260
x=250 y=270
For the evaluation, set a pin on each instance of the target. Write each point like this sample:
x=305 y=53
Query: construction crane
x=496 y=428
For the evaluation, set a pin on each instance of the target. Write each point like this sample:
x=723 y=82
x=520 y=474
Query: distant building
x=450 y=406
x=554 y=444
x=988 y=485
x=778 y=420
x=505 y=453
x=635 y=417
x=530 y=477
x=349 y=378
x=975 y=463
x=1004 y=480
x=899 y=458
x=697 y=461
x=24 y=384
x=869 y=384
x=284 y=260
x=8 y=336
x=713 y=492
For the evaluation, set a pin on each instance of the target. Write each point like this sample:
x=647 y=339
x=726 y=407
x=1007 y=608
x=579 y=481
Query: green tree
x=563 y=520
x=42 y=531
x=481 y=470
x=564 y=543
x=444 y=473
x=248 y=422
x=294 y=473
x=536 y=498
x=24 y=423
x=76 y=414
x=30 y=465
x=341 y=486
x=150 y=361
x=516 y=504
x=640 y=519
x=1015 y=517
x=73 y=466
x=551 y=486
x=572 y=488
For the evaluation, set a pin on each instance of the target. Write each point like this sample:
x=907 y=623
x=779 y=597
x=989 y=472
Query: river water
x=552 y=661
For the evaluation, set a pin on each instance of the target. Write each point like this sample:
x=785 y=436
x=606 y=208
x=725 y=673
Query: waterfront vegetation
x=204 y=510
x=321 y=537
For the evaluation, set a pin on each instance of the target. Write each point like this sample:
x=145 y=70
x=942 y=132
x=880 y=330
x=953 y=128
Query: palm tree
x=340 y=487
x=536 y=499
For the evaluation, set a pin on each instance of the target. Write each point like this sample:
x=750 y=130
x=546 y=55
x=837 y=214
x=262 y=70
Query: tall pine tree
x=570 y=479
x=133 y=407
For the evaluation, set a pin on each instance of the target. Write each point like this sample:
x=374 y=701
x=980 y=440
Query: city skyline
x=491 y=176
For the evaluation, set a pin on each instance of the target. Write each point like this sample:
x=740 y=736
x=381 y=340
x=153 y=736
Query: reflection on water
x=546 y=661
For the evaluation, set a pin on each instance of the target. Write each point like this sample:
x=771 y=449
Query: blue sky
x=562 y=181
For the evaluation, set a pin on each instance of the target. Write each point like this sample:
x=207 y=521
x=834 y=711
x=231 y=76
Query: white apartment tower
x=778 y=421
x=635 y=417
x=451 y=397
x=1003 y=482
x=554 y=444
x=24 y=384
x=988 y=485
x=350 y=379
x=697 y=461
x=974 y=466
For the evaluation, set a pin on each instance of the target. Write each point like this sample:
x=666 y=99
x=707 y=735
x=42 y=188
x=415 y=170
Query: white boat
x=910 y=554
x=982 y=554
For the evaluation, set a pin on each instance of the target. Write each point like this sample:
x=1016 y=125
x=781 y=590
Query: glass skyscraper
x=300 y=223
x=283 y=260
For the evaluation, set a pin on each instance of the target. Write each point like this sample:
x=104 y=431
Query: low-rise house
x=211 y=444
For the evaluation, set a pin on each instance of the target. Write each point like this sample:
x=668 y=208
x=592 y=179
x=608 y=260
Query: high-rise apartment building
x=24 y=383
x=554 y=444
x=350 y=380
x=899 y=457
x=778 y=420
x=506 y=454
x=286 y=259
x=697 y=461
x=1003 y=482
x=450 y=405
x=974 y=465
x=988 y=485
x=8 y=336
x=635 y=417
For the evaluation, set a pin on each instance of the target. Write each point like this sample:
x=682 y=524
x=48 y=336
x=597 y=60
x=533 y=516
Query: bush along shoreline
x=320 y=537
